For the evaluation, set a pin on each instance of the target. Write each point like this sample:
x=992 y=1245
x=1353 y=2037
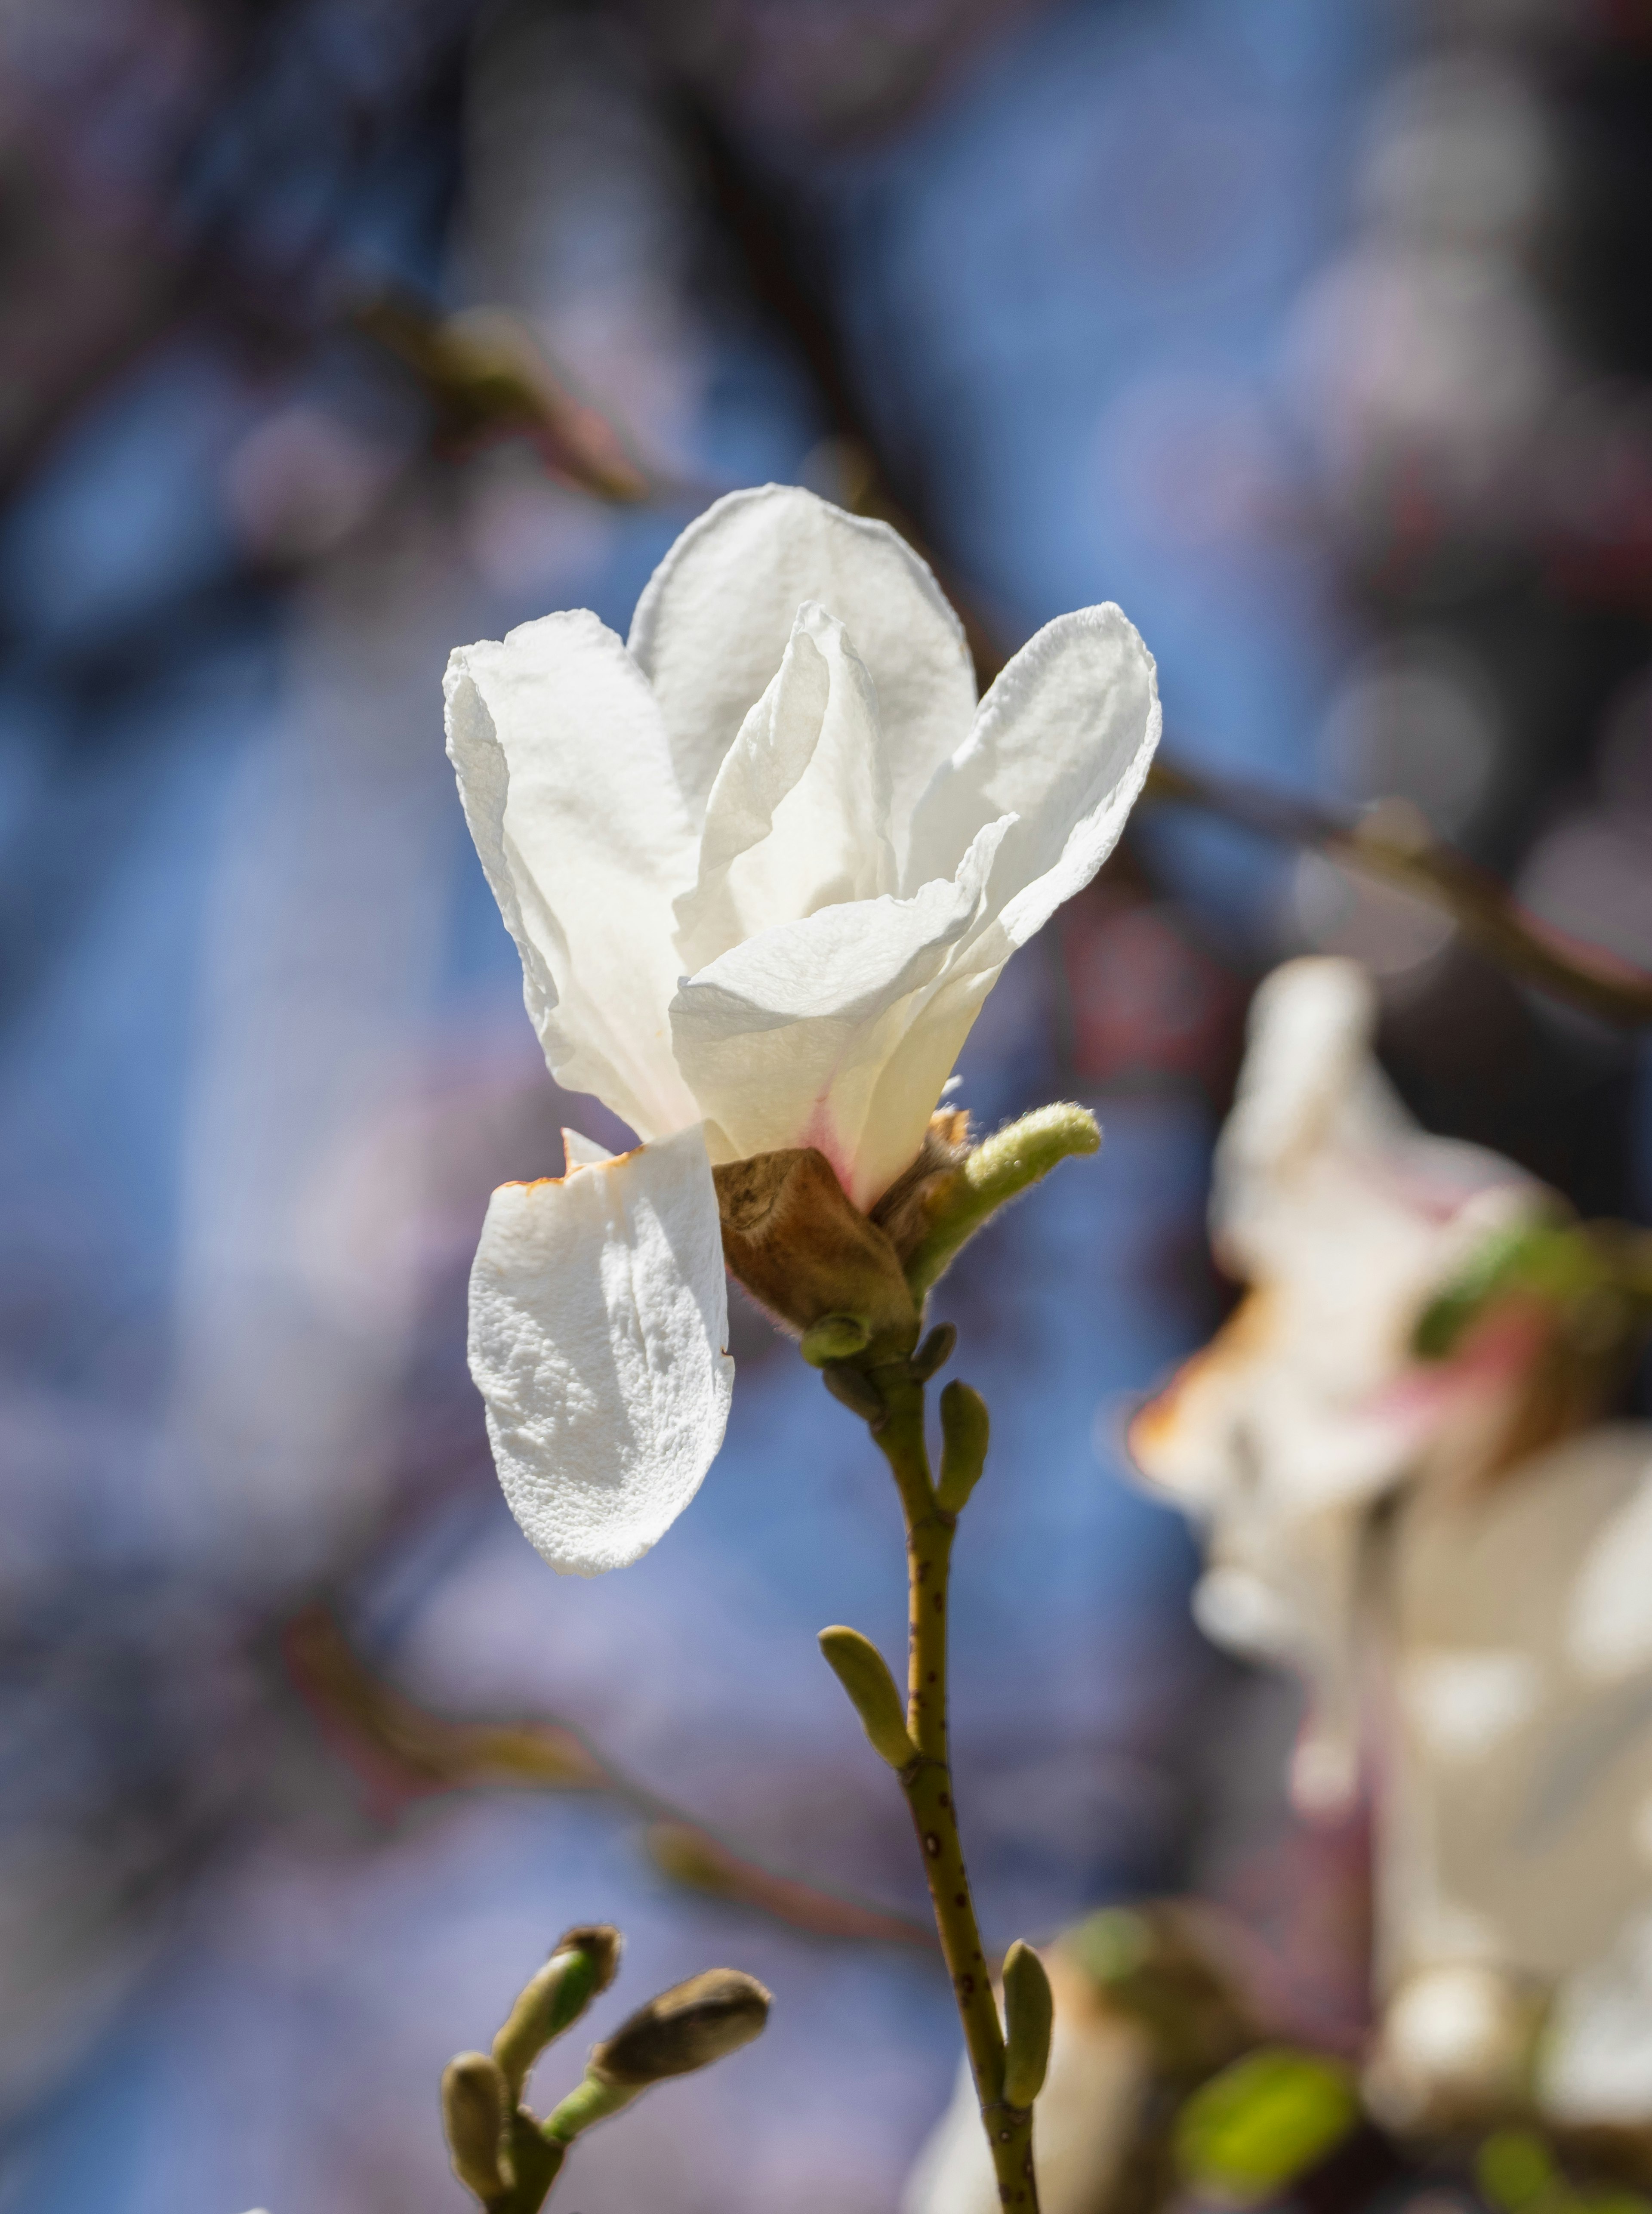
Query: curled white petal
x=568 y=786
x=599 y=1330
x=1062 y=743
x=798 y=818
x=786 y=1038
x=713 y=623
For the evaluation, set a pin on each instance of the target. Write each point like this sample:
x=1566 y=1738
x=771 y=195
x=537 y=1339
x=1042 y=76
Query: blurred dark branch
x=401 y=1750
x=1392 y=842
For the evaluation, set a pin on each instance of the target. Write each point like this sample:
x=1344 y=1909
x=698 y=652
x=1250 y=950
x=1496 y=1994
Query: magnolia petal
x=799 y=814
x=714 y=620
x=599 y=1330
x=579 y=1152
x=1062 y=741
x=568 y=787
x=784 y=1037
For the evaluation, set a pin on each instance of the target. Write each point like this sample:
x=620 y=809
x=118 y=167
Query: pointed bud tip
x=936 y=1351
x=686 y=2028
x=582 y=1962
x=1029 y=2020
x=864 y=1674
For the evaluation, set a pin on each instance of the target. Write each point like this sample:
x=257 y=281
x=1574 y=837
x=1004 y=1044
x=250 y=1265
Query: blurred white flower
x=1493 y=1657
x=1342 y=1218
x=1514 y=1875
x=763 y=863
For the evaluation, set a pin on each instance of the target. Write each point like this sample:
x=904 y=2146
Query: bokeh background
x=1318 y=335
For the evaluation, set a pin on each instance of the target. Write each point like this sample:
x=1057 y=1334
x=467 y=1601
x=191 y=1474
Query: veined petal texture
x=714 y=622
x=798 y=818
x=569 y=790
x=599 y=1330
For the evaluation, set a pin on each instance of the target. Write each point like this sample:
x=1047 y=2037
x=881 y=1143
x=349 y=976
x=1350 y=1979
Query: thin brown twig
x=401 y=1750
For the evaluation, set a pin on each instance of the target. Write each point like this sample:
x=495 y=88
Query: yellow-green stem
x=928 y=1784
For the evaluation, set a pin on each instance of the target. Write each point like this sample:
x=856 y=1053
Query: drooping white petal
x=711 y=626
x=599 y=1331
x=798 y=818
x=568 y=787
x=1061 y=743
x=784 y=1038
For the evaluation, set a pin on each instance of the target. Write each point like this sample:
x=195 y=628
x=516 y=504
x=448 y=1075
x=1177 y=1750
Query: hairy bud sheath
x=864 y=1674
x=1029 y=2017
x=686 y=2028
x=583 y=1961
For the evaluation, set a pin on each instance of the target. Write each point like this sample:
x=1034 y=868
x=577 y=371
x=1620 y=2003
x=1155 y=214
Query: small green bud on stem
x=1004 y=1164
x=582 y=1962
x=853 y=1389
x=965 y=1430
x=864 y=1674
x=936 y=1351
x=474 y=2105
x=1029 y=2017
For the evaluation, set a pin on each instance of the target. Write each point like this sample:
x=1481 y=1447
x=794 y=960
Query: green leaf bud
x=1029 y=2017
x=936 y=1351
x=864 y=1674
x=583 y=1961
x=965 y=1430
x=475 y=2102
x=956 y=1204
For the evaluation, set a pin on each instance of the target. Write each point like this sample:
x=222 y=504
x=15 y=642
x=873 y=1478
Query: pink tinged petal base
x=599 y=1330
x=787 y=1037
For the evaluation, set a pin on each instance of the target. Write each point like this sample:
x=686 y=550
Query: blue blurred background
x=1320 y=337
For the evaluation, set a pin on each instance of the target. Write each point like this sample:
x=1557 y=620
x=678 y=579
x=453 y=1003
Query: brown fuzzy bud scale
x=686 y=2028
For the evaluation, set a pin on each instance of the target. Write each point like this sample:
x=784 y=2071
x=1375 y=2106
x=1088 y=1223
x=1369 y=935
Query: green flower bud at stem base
x=864 y=1674
x=1029 y=2017
x=1004 y=1164
x=474 y=2105
x=965 y=1431
x=582 y=1962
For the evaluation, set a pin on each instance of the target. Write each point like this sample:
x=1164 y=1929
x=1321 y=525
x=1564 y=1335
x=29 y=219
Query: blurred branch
x=487 y=379
x=400 y=1750
x=1392 y=841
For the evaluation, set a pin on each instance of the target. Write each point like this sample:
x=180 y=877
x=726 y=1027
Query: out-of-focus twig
x=1392 y=842
x=401 y=1750
x=489 y=380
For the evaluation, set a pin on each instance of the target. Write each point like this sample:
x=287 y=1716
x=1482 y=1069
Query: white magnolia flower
x=763 y=862
x=1342 y=1218
x=1515 y=1813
